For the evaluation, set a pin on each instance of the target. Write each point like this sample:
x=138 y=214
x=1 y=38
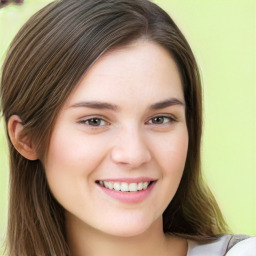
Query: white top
x=246 y=247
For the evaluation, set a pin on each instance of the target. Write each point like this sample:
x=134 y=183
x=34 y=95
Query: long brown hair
x=45 y=62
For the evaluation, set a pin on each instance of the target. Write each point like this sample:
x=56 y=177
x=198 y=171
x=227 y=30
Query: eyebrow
x=166 y=103
x=105 y=105
x=95 y=105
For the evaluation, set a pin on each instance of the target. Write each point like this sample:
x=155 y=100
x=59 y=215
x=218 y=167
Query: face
x=119 y=145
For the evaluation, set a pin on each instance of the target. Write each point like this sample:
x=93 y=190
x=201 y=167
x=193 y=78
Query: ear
x=22 y=143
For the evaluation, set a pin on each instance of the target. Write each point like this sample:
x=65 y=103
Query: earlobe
x=22 y=143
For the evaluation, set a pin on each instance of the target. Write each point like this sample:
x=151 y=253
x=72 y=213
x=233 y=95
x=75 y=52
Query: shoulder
x=245 y=247
x=229 y=245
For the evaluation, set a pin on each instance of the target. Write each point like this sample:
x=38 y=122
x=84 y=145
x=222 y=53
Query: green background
x=222 y=34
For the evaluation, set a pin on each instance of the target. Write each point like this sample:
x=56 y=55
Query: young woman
x=102 y=103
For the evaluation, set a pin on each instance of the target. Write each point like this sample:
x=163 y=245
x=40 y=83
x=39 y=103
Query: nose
x=130 y=149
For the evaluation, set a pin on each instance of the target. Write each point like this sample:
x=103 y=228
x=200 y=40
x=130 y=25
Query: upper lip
x=129 y=180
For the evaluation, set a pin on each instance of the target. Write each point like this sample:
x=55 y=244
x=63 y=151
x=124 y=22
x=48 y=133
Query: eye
x=95 y=122
x=158 y=120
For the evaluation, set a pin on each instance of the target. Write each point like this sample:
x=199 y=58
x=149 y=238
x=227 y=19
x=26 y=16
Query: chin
x=129 y=229
x=126 y=233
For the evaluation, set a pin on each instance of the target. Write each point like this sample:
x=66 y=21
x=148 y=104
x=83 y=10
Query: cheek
x=71 y=160
x=170 y=155
x=171 y=159
x=74 y=151
x=172 y=152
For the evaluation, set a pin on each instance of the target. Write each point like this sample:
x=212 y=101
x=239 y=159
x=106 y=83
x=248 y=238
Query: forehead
x=142 y=71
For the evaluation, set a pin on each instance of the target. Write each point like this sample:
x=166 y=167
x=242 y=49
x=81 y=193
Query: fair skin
x=124 y=123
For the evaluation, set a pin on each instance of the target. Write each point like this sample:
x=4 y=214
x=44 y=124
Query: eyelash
x=86 y=122
x=167 y=119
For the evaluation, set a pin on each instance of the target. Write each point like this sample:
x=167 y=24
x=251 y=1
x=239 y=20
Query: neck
x=85 y=240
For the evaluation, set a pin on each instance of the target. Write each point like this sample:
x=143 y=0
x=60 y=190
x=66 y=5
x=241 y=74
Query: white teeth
x=124 y=186
x=145 y=185
x=106 y=184
x=110 y=185
x=117 y=186
x=133 y=187
x=140 y=186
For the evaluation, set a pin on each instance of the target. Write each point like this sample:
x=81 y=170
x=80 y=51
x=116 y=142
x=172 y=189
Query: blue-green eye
x=161 y=120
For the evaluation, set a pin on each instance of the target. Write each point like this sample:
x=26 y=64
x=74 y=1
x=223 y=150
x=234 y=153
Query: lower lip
x=129 y=197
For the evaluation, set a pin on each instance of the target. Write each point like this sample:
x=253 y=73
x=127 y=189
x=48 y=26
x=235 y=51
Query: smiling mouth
x=125 y=186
